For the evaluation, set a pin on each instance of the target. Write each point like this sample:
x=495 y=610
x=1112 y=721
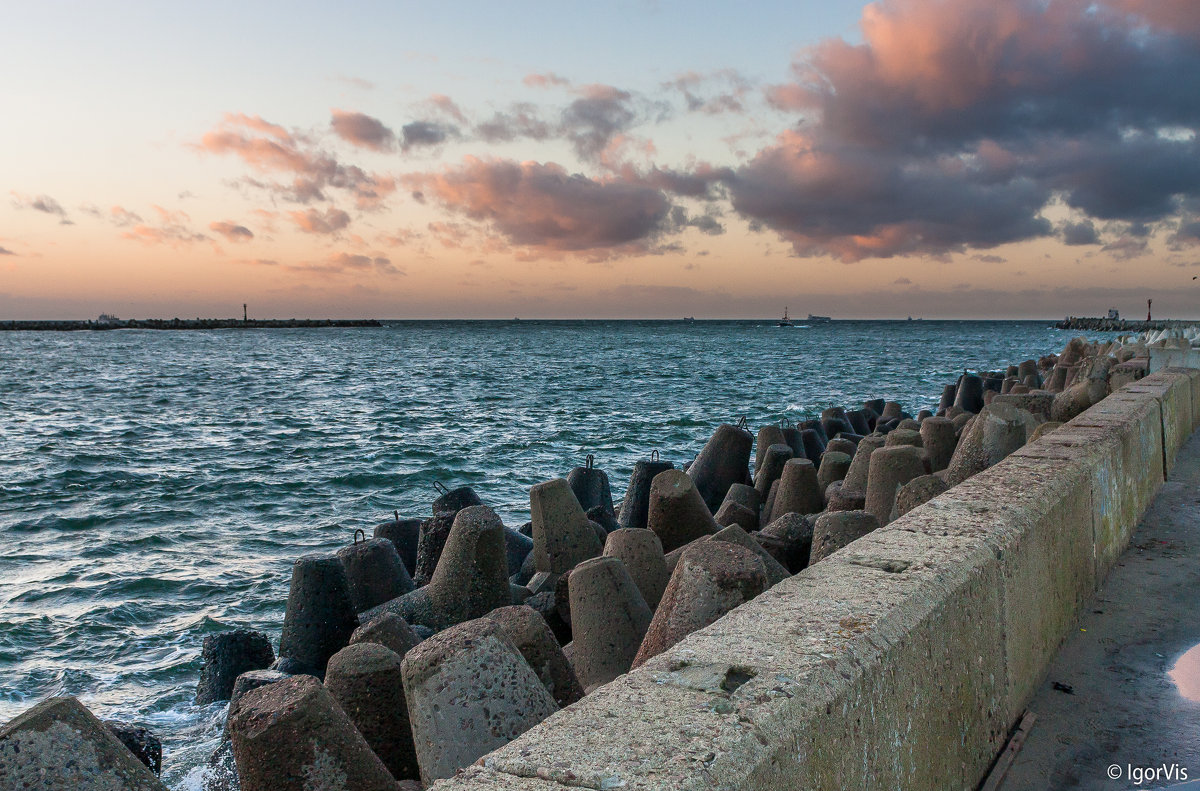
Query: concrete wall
x=900 y=662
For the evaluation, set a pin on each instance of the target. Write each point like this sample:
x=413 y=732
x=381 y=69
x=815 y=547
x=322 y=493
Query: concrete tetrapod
x=678 y=514
x=791 y=538
x=744 y=495
x=731 y=513
x=365 y=681
x=775 y=570
x=455 y=500
x=471 y=578
x=642 y=554
x=609 y=618
x=891 y=468
x=293 y=736
x=903 y=436
x=813 y=444
x=996 y=432
x=388 y=630
x=856 y=476
x=833 y=531
x=767 y=436
x=771 y=468
x=939 y=440
x=144 y=745
x=58 y=745
x=320 y=615
x=562 y=535
x=528 y=631
x=838 y=498
x=841 y=444
x=799 y=490
x=721 y=463
x=375 y=572
x=711 y=578
x=469 y=691
x=917 y=492
x=434 y=532
x=636 y=504
x=404 y=534
x=227 y=655
x=834 y=466
x=969 y=393
x=591 y=487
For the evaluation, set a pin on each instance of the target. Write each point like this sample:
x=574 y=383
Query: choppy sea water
x=156 y=486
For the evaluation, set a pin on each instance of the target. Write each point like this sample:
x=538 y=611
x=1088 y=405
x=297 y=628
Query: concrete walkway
x=1123 y=716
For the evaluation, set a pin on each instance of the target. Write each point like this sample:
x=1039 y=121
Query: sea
x=156 y=486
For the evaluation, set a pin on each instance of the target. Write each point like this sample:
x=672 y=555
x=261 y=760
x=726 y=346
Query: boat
x=818 y=319
x=785 y=321
x=689 y=319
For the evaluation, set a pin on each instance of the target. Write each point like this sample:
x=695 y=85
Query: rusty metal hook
x=364 y=535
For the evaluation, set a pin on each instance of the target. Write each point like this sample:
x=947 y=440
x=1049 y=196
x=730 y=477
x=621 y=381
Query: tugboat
x=785 y=321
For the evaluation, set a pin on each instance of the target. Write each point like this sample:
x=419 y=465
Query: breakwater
x=182 y=324
x=1099 y=324
x=794 y=486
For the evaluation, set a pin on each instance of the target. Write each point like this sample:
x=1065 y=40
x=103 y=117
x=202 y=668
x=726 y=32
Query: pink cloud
x=362 y=130
x=231 y=231
x=330 y=221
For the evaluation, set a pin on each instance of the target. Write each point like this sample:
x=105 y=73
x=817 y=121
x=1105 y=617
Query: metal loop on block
x=743 y=423
x=591 y=461
x=364 y=535
x=441 y=487
x=653 y=455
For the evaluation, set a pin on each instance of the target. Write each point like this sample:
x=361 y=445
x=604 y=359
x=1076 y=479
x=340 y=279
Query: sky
x=632 y=159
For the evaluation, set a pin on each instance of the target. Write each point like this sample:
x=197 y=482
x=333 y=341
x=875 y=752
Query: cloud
x=425 y=133
x=729 y=97
x=1080 y=233
x=6 y=251
x=170 y=228
x=592 y=121
x=44 y=204
x=520 y=121
x=545 y=80
x=122 y=217
x=231 y=231
x=445 y=105
x=330 y=221
x=362 y=130
x=269 y=148
x=348 y=263
x=356 y=82
x=954 y=123
x=548 y=210
x=902 y=281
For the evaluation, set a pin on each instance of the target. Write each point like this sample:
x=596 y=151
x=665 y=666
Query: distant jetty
x=184 y=324
x=1118 y=325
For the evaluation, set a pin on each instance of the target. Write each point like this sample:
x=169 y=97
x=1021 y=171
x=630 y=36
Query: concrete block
x=1173 y=389
x=58 y=745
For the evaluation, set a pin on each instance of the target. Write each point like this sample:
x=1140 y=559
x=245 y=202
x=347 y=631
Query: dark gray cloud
x=956 y=122
x=425 y=133
x=6 y=251
x=521 y=121
x=1080 y=233
x=44 y=204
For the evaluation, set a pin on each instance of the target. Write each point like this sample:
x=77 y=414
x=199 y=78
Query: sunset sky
x=939 y=158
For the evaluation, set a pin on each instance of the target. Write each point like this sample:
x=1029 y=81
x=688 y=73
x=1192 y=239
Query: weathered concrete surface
x=900 y=662
x=1123 y=708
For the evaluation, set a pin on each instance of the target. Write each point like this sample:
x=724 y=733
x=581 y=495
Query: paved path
x=1124 y=712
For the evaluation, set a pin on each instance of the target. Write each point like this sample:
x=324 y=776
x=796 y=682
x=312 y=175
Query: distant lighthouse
x=1148 y=303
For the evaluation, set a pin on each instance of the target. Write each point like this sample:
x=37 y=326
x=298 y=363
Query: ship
x=818 y=319
x=785 y=321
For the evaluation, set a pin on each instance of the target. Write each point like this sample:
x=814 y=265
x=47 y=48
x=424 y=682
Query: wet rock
x=320 y=615
x=144 y=745
x=365 y=681
x=293 y=736
x=225 y=656
x=469 y=691
x=251 y=679
x=711 y=578
x=833 y=531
